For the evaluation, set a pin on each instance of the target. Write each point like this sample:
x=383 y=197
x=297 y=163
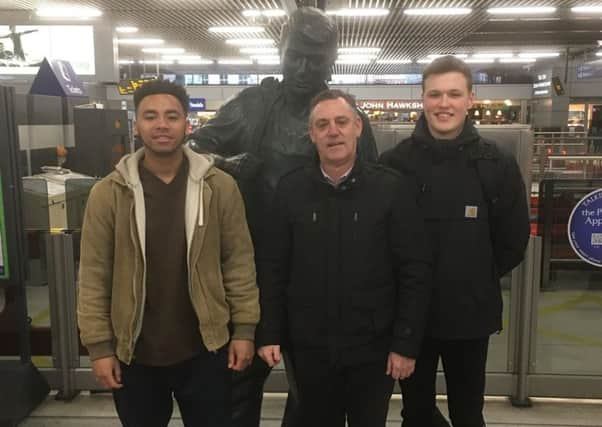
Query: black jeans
x=329 y=395
x=464 y=367
x=201 y=386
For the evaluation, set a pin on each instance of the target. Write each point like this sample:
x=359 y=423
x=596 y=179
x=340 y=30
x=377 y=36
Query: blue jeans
x=201 y=386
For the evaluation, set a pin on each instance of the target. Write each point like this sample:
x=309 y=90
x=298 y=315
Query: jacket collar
x=423 y=135
x=351 y=181
x=200 y=166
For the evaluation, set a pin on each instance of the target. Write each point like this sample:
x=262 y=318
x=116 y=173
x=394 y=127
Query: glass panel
x=569 y=337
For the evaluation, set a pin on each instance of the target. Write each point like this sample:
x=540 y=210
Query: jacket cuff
x=404 y=347
x=100 y=349
x=243 y=331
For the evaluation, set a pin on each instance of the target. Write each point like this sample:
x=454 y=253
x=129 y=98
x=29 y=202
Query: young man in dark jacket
x=344 y=273
x=472 y=197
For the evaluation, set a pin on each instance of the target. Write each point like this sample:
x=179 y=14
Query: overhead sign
x=128 y=87
x=585 y=228
x=197 y=104
x=4 y=271
x=390 y=104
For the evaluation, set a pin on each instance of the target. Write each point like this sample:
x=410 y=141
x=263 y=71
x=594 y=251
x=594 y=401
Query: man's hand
x=107 y=372
x=270 y=354
x=400 y=367
x=240 y=354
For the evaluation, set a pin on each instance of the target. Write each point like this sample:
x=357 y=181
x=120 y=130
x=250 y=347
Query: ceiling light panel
x=359 y=12
x=68 y=12
x=586 y=9
x=443 y=11
x=126 y=30
x=140 y=41
x=250 y=42
x=242 y=29
x=358 y=50
x=259 y=50
x=521 y=10
x=166 y=50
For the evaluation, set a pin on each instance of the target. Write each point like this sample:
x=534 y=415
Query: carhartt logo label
x=471 y=211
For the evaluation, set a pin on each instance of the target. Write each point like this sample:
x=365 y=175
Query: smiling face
x=161 y=124
x=447 y=99
x=334 y=129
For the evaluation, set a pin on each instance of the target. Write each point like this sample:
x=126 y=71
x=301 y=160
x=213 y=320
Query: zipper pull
x=356 y=216
x=314 y=217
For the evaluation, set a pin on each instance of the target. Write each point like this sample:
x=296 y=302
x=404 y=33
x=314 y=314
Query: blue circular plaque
x=585 y=228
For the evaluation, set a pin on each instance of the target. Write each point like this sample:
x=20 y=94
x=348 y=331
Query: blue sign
x=585 y=228
x=57 y=78
x=197 y=104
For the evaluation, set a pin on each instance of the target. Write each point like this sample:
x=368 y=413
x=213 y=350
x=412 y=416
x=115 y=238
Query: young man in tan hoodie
x=168 y=302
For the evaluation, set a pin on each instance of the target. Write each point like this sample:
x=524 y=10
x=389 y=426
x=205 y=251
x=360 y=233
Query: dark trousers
x=329 y=395
x=464 y=367
x=201 y=386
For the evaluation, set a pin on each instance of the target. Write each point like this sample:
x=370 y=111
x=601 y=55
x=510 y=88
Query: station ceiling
x=186 y=23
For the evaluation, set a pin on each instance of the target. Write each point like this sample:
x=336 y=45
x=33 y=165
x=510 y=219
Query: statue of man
x=261 y=135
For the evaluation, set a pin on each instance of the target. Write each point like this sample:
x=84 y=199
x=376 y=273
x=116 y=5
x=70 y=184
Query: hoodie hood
x=199 y=166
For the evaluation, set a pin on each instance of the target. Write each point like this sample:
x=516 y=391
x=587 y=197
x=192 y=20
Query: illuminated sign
x=23 y=47
x=128 y=87
x=197 y=104
x=390 y=104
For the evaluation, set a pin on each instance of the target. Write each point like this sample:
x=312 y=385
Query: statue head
x=308 y=47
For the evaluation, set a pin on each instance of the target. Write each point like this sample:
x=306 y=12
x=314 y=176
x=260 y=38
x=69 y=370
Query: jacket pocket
x=372 y=313
x=307 y=321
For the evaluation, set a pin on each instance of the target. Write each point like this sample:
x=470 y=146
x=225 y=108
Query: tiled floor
x=97 y=411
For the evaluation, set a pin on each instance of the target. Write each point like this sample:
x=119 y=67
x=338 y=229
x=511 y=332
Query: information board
x=585 y=228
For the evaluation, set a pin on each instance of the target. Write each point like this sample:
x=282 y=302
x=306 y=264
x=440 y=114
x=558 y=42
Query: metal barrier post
x=531 y=276
x=63 y=306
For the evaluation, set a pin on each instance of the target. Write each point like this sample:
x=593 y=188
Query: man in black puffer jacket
x=345 y=276
x=473 y=200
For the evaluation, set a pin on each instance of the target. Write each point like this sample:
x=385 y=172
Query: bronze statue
x=262 y=134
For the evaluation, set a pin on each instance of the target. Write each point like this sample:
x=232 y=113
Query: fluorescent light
x=140 y=41
x=258 y=50
x=359 y=12
x=517 y=60
x=272 y=13
x=250 y=42
x=394 y=61
x=234 y=61
x=356 y=57
x=508 y=102
x=459 y=55
x=438 y=11
x=166 y=50
x=68 y=12
x=181 y=57
x=424 y=61
x=195 y=61
x=493 y=55
x=520 y=10
x=586 y=9
x=125 y=62
x=352 y=61
x=479 y=60
x=539 y=54
x=156 y=62
x=358 y=50
x=241 y=29
x=598 y=53
x=126 y=29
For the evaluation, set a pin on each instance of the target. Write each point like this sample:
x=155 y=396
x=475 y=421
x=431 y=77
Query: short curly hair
x=161 y=86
